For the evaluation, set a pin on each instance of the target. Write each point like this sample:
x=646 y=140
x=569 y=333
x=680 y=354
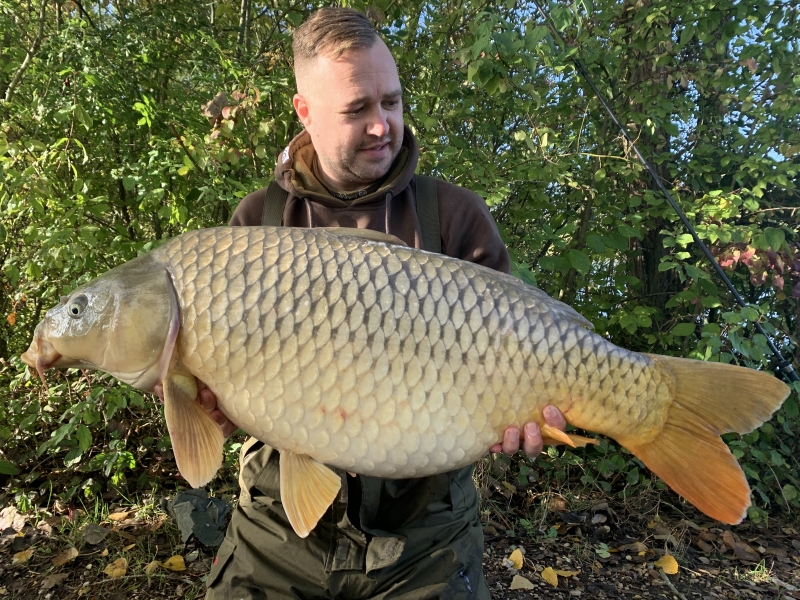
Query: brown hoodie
x=467 y=229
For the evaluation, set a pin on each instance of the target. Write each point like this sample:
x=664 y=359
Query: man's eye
x=391 y=104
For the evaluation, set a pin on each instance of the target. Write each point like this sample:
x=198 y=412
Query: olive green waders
x=418 y=538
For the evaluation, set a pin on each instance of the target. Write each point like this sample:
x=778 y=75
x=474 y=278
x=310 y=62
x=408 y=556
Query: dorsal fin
x=367 y=234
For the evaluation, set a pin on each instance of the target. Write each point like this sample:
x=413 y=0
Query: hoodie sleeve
x=468 y=230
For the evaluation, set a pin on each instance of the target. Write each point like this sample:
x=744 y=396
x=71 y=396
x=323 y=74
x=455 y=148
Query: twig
x=672 y=587
x=32 y=51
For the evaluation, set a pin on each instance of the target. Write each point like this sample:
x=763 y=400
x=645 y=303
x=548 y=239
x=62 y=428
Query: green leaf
x=683 y=329
x=600 y=174
x=775 y=238
x=580 y=261
x=84 y=437
x=750 y=313
x=7 y=468
x=83 y=117
x=596 y=243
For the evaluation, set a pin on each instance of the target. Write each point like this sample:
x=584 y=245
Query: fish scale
x=394 y=356
x=342 y=348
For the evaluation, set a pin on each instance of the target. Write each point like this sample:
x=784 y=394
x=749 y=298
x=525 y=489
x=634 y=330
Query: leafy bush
x=122 y=128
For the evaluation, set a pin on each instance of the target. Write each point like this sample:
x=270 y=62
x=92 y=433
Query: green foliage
x=124 y=127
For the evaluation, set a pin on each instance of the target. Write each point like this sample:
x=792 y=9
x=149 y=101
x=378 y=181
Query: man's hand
x=532 y=439
x=206 y=399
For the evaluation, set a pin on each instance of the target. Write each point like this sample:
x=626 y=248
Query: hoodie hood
x=296 y=170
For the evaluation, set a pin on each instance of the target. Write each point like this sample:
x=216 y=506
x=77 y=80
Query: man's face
x=352 y=107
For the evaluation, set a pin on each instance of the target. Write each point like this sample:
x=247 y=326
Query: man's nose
x=379 y=124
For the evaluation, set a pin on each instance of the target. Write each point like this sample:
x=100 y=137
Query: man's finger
x=511 y=441
x=554 y=417
x=532 y=444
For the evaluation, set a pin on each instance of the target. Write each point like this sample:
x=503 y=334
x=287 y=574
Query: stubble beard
x=358 y=171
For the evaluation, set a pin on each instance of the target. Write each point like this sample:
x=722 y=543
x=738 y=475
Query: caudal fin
x=688 y=454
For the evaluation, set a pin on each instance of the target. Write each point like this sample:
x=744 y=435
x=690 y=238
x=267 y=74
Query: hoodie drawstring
x=309 y=212
x=388 y=211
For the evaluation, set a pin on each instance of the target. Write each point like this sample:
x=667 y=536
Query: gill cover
x=124 y=322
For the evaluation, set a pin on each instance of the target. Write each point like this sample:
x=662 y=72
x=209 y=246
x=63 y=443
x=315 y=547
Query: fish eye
x=77 y=306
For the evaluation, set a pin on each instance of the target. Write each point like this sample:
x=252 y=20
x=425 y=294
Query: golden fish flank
x=338 y=347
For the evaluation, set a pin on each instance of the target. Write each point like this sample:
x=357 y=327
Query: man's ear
x=302 y=110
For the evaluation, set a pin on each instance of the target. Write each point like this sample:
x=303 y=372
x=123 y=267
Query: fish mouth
x=41 y=356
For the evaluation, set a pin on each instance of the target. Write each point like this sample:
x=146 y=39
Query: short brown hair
x=332 y=31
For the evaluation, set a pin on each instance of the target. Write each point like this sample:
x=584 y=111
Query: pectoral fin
x=196 y=438
x=552 y=436
x=308 y=488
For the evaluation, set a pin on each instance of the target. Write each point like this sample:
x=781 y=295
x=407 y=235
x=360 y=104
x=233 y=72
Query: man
x=353 y=166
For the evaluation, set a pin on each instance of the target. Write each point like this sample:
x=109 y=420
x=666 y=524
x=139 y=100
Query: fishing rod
x=784 y=367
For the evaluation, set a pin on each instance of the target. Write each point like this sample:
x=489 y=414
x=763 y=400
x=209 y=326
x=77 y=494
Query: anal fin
x=196 y=438
x=551 y=436
x=308 y=488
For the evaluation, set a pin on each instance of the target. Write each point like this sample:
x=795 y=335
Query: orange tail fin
x=688 y=454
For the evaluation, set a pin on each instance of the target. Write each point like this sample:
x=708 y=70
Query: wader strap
x=428 y=213
x=274 y=204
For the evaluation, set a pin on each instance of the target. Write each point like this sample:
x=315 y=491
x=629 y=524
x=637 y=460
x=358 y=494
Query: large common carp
x=341 y=348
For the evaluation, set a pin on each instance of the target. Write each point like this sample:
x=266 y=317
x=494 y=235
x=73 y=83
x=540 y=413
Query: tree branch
x=32 y=51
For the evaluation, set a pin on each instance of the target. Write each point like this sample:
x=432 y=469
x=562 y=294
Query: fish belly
x=386 y=360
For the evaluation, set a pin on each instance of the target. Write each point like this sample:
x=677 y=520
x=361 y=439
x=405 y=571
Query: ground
x=594 y=546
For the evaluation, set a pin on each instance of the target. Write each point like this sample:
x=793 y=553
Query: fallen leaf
x=556 y=505
x=94 y=534
x=152 y=567
x=705 y=546
x=668 y=563
x=3 y=591
x=634 y=547
x=567 y=573
x=117 y=569
x=520 y=583
x=549 y=575
x=10 y=517
x=20 y=558
x=52 y=581
x=104 y=552
x=174 y=563
x=121 y=516
x=516 y=559
x=63 y=558
x=128 y=547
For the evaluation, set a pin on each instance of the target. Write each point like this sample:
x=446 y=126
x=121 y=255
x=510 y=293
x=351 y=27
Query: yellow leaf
x=520 y=583
x=567 y=573
x=668 y=563
x=128 y=547
x=549 y=575
x=20 y=558
x=174 y=563
x=104 y=552
x=151 y=567
x=12 y=319
x=516 y=559
x=117 y=569
x=120 y=516
x=64 y=557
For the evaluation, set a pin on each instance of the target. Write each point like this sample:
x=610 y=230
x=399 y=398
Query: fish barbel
x=343 y=348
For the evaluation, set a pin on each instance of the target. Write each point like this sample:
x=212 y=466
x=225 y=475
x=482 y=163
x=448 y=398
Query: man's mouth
x=377 y=147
